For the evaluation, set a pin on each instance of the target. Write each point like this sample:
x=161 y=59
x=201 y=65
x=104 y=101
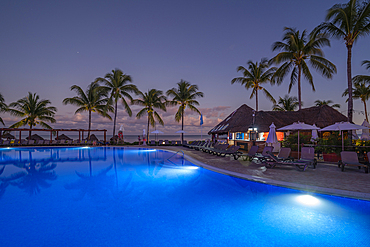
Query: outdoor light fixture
x=308 y=200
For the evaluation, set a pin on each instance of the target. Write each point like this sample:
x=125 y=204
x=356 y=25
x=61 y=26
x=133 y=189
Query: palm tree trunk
x=29 y=133
x=367 y=120
x=182 y=124
x=88 y=132
x=115 y=116
x=257 y=99
x=299 y=88
x=349 y=78
x=147 y=131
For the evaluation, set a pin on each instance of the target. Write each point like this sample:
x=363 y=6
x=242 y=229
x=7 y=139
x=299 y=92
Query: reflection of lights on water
x=308 y=200
x=147 y=150
x=86 y=147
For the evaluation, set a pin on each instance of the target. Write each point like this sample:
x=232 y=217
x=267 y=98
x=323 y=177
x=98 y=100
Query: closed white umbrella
x=365 y=132
x=299 y=126
x=343 y=126
x=272 y=138
x=314 y=134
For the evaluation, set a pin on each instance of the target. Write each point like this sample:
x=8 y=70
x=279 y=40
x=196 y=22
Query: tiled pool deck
x=326 y=178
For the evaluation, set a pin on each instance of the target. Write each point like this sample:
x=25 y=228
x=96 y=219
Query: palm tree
x=362 y=92
x=184 y=96
x=349 y=22
x=94 y=100
x=34 y=111
x=297 y=49
x=286 y=104
x=363 y=78
x=3 y=107
x=254 y=76
x=153 y=99
x=326 y=102
x=117 y=83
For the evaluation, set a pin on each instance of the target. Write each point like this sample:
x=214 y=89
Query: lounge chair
x=24 y=142
x=284 y=154
x=69 y=142
x=46 y=142
x=160 y=142
x=349 y=158
x=218 y=149
x=261 y=157
x=272 y=161
x=40 y=142
x=76 y=142
x=202 y=144
x=153 y=143
x=308 y=154
x=185 y=142
x=54 y=142
x=233 y=150
x=6 y=143
x=166 y=142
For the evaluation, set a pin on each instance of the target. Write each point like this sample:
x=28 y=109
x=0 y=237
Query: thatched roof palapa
x=242 y=119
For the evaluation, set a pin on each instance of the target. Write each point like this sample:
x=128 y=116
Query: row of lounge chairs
x=218 y=149
x=348 y=158
x=24 y=142
x=283 y=158
x=167 y=143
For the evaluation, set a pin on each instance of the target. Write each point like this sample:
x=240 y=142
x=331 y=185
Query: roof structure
x=245 y=117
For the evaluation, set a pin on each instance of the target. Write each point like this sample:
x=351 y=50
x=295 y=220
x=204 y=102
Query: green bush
x=291 y=141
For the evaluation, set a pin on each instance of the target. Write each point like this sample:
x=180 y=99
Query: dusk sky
x=48 y=46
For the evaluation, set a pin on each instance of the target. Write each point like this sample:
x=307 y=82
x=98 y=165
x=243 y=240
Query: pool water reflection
x=107 y=196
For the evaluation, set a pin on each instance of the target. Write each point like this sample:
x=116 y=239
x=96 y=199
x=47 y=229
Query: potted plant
x=331 y=146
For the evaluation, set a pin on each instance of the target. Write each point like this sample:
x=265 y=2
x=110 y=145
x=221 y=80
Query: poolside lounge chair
x=54 y=142
x=308 y=154
x=153 y=143
x=185 y=142
x=260 y=157
x=6 y=143
x=350 y=158
x=69 y=142
x=233 y=150
x=75 y=142
x=40 y=142
x=218 y=149
x=46 y=142
x=24 y=142
x=284 y=154
x=166 y=142
x=272 y=161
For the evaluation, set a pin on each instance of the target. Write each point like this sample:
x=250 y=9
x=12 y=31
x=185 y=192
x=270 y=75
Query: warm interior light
x=308 y=200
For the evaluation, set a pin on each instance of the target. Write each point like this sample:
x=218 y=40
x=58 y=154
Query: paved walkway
x=326 y=178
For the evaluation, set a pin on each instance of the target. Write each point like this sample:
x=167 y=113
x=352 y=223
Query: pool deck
x=327 y=178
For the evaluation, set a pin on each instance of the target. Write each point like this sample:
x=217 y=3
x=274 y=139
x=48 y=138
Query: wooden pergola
x=80 y=131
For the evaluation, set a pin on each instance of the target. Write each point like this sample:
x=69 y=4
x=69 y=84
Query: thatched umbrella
x=36 y=137
x=93 y=138
x=7 y=136
x=63 y=137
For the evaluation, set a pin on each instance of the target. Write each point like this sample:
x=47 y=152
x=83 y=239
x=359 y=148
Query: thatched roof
x=242 y=119
x=35 y=137
x=93 y=138
x=63 y=137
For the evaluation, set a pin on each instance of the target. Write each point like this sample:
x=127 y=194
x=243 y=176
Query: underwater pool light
x=308 y=200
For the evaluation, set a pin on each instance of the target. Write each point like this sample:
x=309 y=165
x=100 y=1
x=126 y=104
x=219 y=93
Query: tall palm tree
x=118 y=85
x=363 y=78
x=34 y=111
x=286 y=104
x=349 y=21
x=153 y=99
x=185 y=97
x=362 y=92
x=326 y=102
x=254 y=76
x=3 y=107
x=93 y=100
x=297 y=48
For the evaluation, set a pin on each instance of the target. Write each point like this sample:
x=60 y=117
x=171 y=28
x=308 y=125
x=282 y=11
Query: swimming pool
x=108 y=196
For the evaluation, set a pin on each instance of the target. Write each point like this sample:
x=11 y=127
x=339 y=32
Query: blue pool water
x=108 y=196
